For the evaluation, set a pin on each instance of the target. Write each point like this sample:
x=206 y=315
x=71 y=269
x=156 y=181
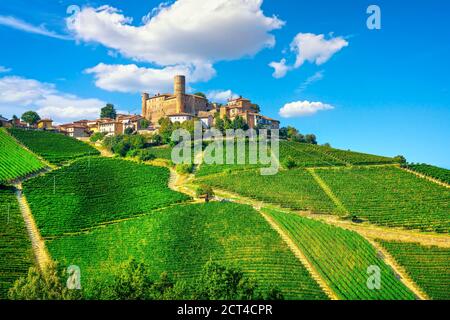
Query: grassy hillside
x=92 y=191
x=15 y=161
x=16 y=255
x=392 y=197
x=54 y=147
x=431 y=171
x=182 y=238
x=427 y=266
x=342 y=258
x=295 y=189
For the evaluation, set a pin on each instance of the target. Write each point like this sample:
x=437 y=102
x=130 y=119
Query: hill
x=182 y=238
x=54 y=147
x=15 y=161
x=92 y=191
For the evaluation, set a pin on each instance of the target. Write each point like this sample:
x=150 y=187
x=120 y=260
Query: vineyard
x=15 y=161
x=92 y=191
x=295 y=189
x=53 y=147
x=342 y=258
x=391 y=197
x=16 y=255
x=182 y=238
x=355 y=158
x=440 y=174
x=427 y=266
x=306 y=155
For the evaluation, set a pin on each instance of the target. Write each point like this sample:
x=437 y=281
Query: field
x=306 y=155
x=92 y=191
x=15 y=248
x=427 y=266
x=391 y=197
x=53 y=147
x=182 y=238
x=294 y=189
x=342 y=258
x=15 y=161
x=431 y=171
x=355 y=158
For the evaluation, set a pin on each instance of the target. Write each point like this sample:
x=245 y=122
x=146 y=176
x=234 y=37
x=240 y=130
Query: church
x=180 y=107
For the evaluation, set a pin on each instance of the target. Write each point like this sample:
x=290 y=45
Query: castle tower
x=179 y=90
x=145 y=97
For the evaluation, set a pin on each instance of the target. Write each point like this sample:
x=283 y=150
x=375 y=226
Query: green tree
x=144 y=123
x=400 y=159
x=31 y=117
x=311 y=139
x=239 y=123
x=46 y=285
x=204 y=191
x=109 y=111
x=129 y=131
x=201 y=94
x=165 y=130
x=256 y=108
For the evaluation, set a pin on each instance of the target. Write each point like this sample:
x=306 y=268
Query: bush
x=122 y=144
x=185 y=168
x=290 y=163
x=97 y=136
x=204 y=191
x=146 y=155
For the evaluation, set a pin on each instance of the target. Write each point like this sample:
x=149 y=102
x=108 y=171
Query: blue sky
x=387 y=91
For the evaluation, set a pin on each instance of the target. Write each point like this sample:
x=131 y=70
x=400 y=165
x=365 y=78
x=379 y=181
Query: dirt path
x=39 y=249
x=399 y=270
x=301 y=257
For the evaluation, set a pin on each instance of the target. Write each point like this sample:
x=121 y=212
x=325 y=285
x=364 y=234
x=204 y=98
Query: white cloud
x=4 y=69
x=315 y=48
x=18 y=95
x=187 y=31
x=311 y=48
x=280 y=68
x=18 y=24
x=221 y=96
x=303 y=108
x=133 y=79
x=319 y=75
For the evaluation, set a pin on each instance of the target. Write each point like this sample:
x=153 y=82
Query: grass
x=427 y=266
x=15 y=161
x=92 y=191
x=342 y=258
x=182 y=239
x=16 y=255
x=54 y=147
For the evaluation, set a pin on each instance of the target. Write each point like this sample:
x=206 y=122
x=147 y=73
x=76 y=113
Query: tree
x=30 y=117
x=239 y=123
x=256 y=108
x=201 y=94
x=400 y=159
x=43 y=285
x=108 y=111
x=311 y=138
x=204 y=191
x=129 y=131
x=144 y=123
x=283 y=134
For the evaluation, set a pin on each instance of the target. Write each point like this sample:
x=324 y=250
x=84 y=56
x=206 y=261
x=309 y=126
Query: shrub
x=146 y=155
x=185 y=168
x=290 y=163
x=97 y=136
x=204 y=191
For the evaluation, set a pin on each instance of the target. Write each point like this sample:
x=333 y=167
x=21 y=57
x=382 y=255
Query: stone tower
x=145 y=97
x=179 y=90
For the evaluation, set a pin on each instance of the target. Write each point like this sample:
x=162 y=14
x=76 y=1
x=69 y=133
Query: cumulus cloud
x=18 y=95
x=21 y=25
x=221 y=96
x=134 y=79
x=280 y=68
x=194 y=31
x=4 y=69
x=303 y=108
x=309 y=47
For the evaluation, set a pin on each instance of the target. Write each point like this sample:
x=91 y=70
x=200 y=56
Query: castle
x=180 y=107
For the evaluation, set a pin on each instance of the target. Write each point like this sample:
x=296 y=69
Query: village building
x=111 y=127
x=130 y=121
x=45 y=124
x=181 y=107
x=4 y=122
x=74 y=130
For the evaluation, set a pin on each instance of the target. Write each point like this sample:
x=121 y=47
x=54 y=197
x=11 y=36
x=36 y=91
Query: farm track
x=420 y=175
x=400 y=271
x=300 y=256
x=41 y=254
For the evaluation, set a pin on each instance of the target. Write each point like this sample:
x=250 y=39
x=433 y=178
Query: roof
x=204 y=114
x=72 y=125
x=181 y=114
x=3 y=118
x=45 y=120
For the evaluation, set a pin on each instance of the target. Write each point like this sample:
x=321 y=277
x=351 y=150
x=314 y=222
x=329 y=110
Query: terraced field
x=15 y=161
x=53 y=147
x=391 y=197
x=355 y=158
x=294 y=189
x=16 y=255
x=306 y=155
x=92 y=191
x=440 y=174
x=427 y=266
x=182 y=238
x=342 y=258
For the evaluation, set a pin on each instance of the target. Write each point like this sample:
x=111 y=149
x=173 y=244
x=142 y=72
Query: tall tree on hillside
x=109 y=111
x=201 y=94
x=311 y=138
x=30 y=117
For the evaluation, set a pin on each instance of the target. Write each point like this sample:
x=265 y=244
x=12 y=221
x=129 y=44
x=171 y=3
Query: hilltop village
x=177 y=107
